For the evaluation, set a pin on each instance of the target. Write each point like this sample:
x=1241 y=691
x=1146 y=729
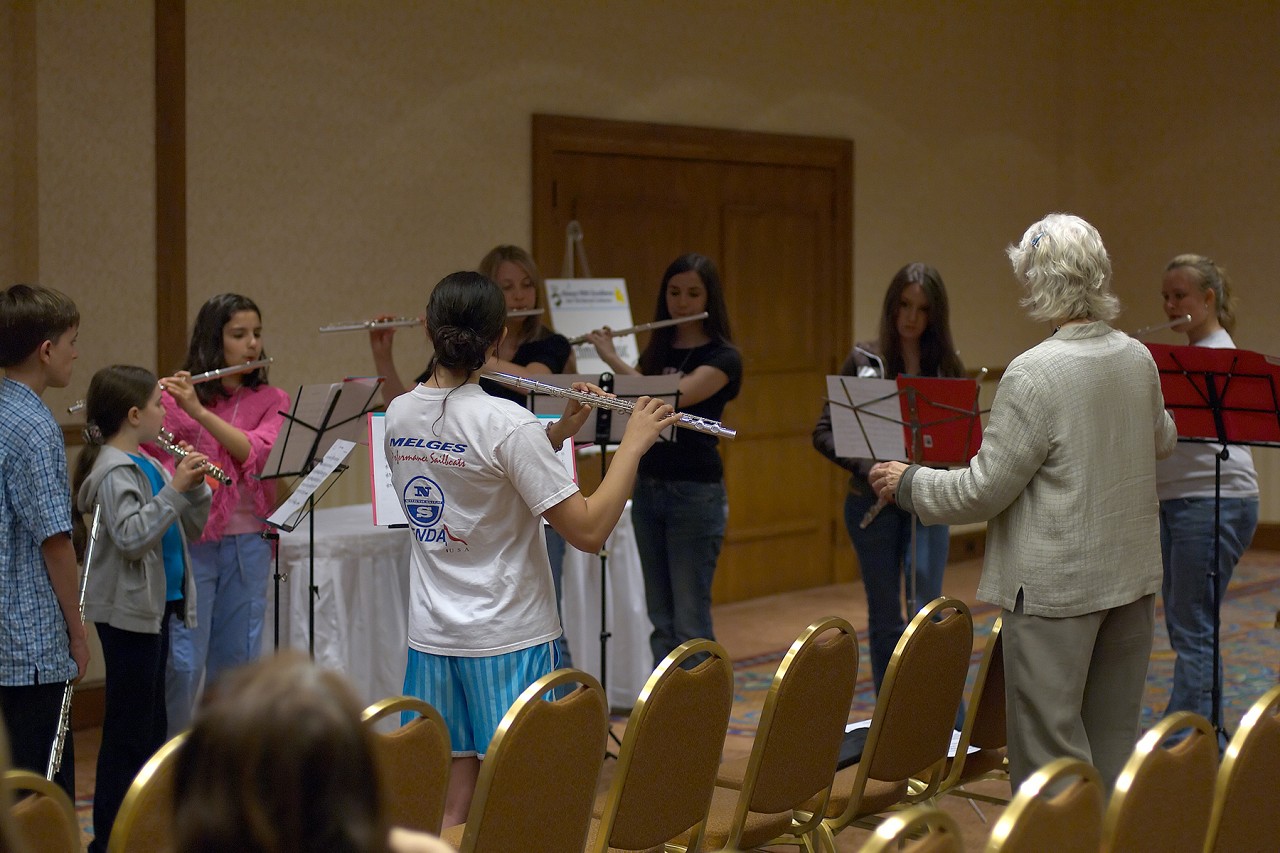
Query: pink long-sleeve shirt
x=257 y=412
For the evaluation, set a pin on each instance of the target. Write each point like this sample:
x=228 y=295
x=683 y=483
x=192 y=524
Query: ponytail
x=113 y=391
x=1210 y=276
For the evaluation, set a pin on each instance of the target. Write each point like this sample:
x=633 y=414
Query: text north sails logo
x=424 y=504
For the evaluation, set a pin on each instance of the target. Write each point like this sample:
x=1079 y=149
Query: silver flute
x=166 y=442
x=64 y=716
x=210 y=375
x=207 y=376
x=1177 y=321
x=644 y=327
x=531 y=386
x=405 y=322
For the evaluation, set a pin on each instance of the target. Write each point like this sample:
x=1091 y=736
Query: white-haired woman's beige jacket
x=1065 y=475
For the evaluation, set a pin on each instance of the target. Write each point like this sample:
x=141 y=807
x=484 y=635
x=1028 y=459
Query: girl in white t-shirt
x=1194 y=286
x=476 y=475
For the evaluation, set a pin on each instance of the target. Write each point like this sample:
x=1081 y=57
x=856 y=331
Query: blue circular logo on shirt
x=423 y=501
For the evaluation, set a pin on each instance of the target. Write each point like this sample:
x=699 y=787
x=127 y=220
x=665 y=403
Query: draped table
x=361 y=621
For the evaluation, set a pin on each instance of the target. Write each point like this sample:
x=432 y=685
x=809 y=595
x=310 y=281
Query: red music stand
x=1220 y=396
x=940 y=421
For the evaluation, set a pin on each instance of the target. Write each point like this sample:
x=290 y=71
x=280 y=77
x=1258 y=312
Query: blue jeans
x=679 y=530
x=884 y=557
x=231 y=600
x=1186 y=541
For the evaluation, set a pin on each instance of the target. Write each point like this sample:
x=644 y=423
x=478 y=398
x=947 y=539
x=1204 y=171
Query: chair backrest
x=985 y=726
x=44 y=820
x=666 y=769
x=1059 y=808
x=144 y=823
x=793 y=758
x=413 y=763
x=919 y=829
x=1245 y=815
x=915 y=710
x=538 y=779
x=1163 y=797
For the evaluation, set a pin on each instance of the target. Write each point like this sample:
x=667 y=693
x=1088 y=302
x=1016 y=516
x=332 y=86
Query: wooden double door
x=775 y=213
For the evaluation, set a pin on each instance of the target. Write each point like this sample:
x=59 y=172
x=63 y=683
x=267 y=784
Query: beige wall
x=342 y=157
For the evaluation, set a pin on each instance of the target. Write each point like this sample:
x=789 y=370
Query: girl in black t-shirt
x=679 y=507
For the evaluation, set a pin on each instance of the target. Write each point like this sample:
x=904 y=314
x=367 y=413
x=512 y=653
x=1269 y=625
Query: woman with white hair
x=1066 y=478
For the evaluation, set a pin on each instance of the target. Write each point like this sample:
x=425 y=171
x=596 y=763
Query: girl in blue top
x=139 y=573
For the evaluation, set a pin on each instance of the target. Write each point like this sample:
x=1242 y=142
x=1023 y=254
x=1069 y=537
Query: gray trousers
x=1074 y=687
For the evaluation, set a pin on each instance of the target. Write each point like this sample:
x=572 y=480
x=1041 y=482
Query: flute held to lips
x=166 y=443
x=404 y=322
x=532 y=386
x=1176 y=321
x=210 y=375
x=644 y=327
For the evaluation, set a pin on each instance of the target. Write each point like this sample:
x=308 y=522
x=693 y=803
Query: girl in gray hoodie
x=139 y=574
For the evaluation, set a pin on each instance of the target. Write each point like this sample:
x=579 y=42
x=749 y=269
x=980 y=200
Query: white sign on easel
x=579 y=305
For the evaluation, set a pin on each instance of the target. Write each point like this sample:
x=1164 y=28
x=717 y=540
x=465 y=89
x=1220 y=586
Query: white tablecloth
x=630 y=661
x=361 y=622
x=362 y=573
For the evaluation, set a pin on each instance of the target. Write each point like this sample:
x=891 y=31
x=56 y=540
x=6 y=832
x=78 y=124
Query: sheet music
x=289 y=513
x=873 y=432
x=289 y=454
x=387 y=510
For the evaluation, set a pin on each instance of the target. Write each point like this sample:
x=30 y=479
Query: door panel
x=778 y=224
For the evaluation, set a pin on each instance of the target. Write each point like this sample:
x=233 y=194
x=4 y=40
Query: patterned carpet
x=1250 y=647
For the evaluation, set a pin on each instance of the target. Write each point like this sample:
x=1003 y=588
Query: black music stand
x=1224 y=397
x=321 y=415
x=915 y=419
x=605 y=430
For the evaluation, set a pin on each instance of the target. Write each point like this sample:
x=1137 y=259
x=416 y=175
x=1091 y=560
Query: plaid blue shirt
x=35 y=503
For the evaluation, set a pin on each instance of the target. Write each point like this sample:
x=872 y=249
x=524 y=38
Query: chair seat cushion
x=759 y=829
x=877 y=797
x=981 y=763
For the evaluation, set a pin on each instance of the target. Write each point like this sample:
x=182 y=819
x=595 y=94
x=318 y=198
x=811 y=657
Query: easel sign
x=579 y=305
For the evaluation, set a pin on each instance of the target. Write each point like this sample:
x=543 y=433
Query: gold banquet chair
x=919 y=829
x=793 y=757
x=538 y=779
x=984 y=728
x=667 y=763
x=144 y=823
x=1163 y=796
x=1058 y=809
x=912 y=722
x=1246 y=803
x=44 y=819
x=413 y=763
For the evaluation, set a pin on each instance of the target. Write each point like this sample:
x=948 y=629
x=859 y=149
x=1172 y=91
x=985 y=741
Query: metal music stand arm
x=1224 y=397
x=313 y=434
x=945 y=410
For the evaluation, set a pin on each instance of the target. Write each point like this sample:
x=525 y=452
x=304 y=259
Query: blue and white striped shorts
x=474 y=693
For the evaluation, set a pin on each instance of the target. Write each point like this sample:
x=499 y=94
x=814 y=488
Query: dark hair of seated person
x=278 y=761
